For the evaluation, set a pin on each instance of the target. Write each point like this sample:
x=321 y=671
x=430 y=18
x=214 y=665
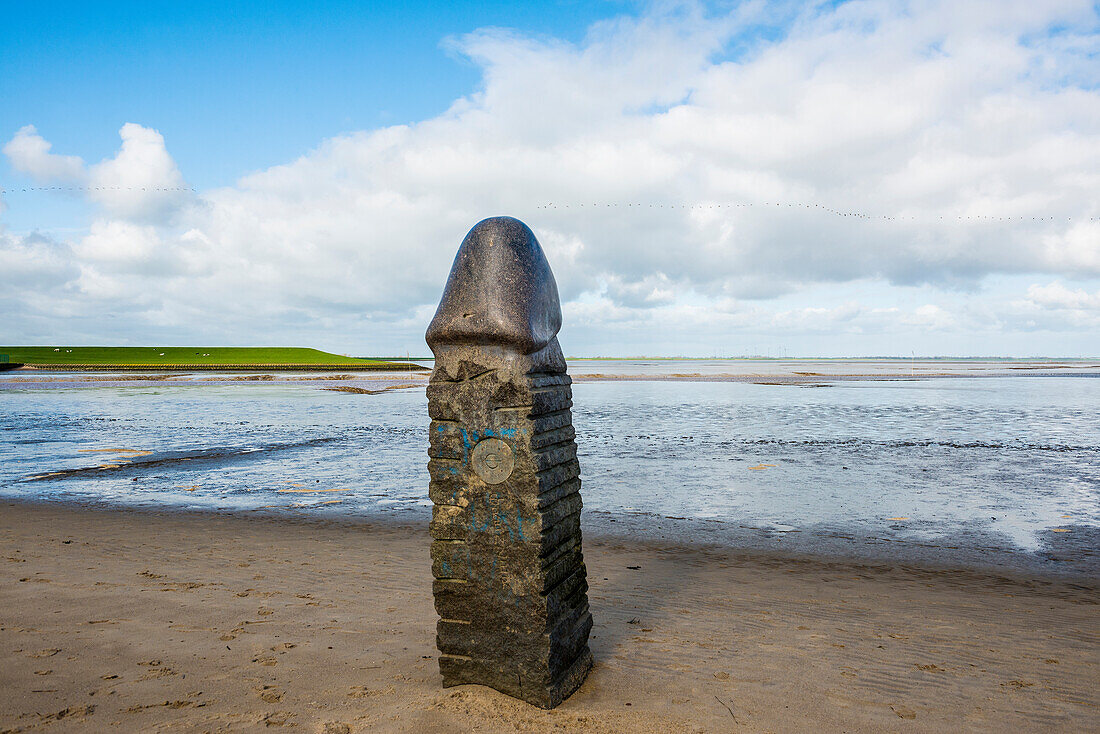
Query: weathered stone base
x=511 y=587
x=462 y=671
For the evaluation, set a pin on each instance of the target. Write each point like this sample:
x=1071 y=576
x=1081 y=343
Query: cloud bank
x=926 y=169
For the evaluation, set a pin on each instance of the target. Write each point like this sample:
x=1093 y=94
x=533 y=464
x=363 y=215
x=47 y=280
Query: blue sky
x=338 y=152
x=238 y=87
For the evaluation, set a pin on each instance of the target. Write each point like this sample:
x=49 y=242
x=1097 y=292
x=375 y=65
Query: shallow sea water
x=1010 y=463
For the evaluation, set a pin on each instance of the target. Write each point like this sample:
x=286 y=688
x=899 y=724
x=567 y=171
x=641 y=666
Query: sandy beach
x=203 y=622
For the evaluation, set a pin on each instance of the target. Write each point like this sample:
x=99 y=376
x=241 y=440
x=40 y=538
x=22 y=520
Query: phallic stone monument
x=510 y=585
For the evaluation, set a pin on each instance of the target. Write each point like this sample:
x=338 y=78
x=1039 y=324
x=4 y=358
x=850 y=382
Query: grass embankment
x=192 y=358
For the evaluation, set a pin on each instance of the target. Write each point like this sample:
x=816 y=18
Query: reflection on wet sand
x=971 y=464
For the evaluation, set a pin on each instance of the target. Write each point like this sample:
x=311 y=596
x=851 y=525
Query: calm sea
x=1000 y=469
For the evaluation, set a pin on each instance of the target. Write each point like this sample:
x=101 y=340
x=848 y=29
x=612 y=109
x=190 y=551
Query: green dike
x=193 y=358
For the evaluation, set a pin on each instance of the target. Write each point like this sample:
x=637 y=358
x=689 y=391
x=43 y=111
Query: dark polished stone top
x=501 y=291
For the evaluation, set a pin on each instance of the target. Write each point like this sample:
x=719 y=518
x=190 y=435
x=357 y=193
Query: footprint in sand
x=362 y=692
x=279 y=718
x=158 y=673
x=270 y=694
x=1018 y=684
x=180 y=704
x=70 y=712
x=45 y=653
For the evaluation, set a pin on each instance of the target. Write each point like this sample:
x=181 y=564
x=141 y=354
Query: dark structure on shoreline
x=510 y=584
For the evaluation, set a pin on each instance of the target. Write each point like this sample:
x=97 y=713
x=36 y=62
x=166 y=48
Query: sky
x=707 y=179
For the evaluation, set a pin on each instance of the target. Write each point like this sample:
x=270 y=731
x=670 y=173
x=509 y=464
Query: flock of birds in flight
x=631 y=205
x=818 y=207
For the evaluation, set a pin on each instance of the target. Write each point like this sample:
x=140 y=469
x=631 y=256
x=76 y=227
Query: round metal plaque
x=493 y=460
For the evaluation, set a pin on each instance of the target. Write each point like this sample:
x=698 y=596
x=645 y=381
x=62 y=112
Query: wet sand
x=201 y=622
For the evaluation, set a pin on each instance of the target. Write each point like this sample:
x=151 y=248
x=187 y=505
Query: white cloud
x=1058 y=296
x=141 y=181
x=649 y=159
x=34 y=264
x=30 y=153
x=119 y=243
x=930 y=316
x=1056 y=306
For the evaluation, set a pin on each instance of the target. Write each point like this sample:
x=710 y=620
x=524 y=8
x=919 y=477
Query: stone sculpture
x=510 y=585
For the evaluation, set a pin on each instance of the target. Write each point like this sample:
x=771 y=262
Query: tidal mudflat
x=964 y=463
x=839 y=552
